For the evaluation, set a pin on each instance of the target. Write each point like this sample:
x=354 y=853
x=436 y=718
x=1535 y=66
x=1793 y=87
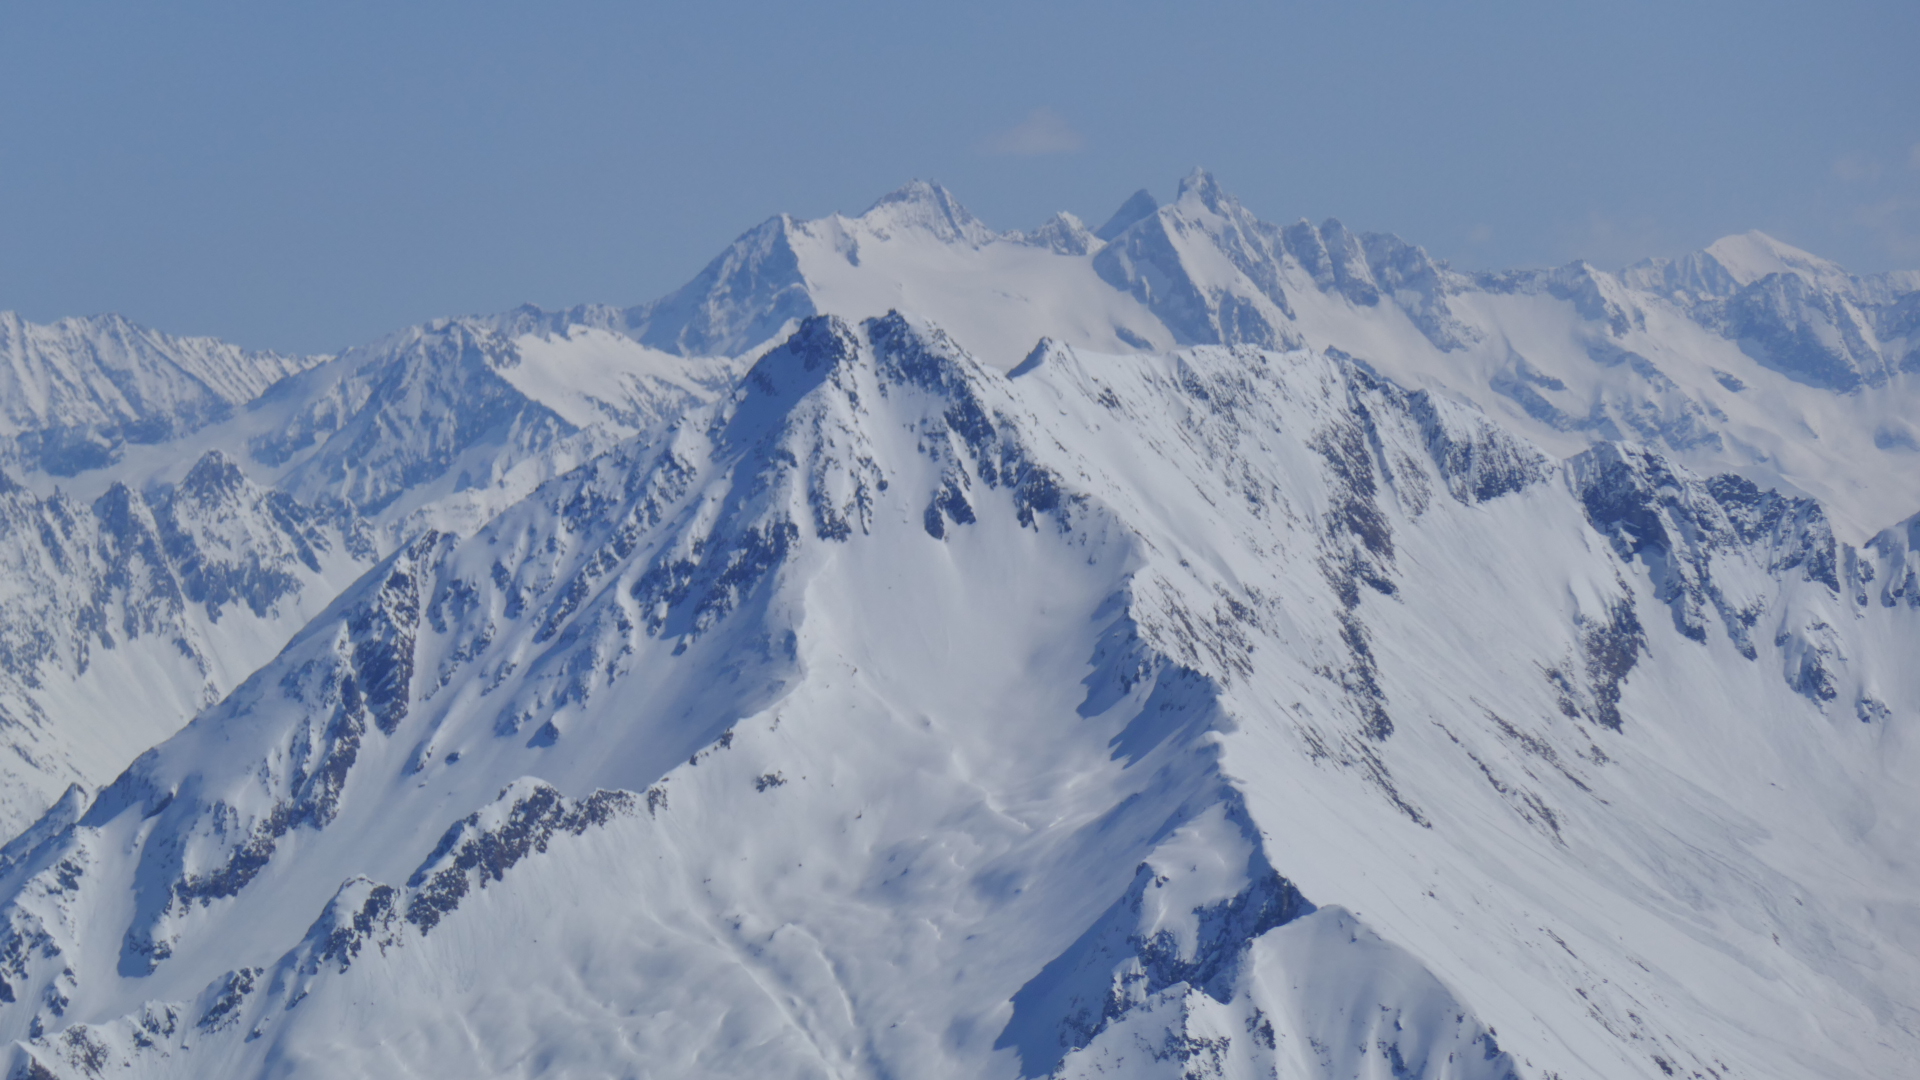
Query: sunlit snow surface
x=1221 y=713
x=140 y=591
x=1306 y=661
x=1751 y=356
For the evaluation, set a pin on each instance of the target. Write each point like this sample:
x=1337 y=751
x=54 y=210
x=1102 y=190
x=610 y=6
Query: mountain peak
x=826 y=621
x=1138 y=205
x=913 y=191
x=926 y=206
x=1200 y=185
x=1063 y=233
x=212 y=477
x=1752 y=255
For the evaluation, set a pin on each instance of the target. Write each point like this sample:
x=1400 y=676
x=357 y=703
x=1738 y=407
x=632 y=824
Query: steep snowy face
x=1218 y=712
x=1794 y=313
x=121 y=619
x=916 y=249
x=445 y=425
x=1207 y=690
x=1750 y=356
x=1205 y=267
x=144 y=587
x=441 y=425
x=75 y=394
x=1202 y=270
x=432 y=406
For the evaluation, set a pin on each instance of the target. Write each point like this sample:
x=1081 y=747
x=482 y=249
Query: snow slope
x=142 y=590
x=1750 y=356
x=123 y=617
x=1214 y=712
x=76 y=393
x=1263 y=651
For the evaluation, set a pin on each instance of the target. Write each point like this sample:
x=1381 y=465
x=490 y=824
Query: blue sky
x=306 y=176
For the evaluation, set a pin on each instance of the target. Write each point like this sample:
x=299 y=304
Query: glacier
x=1188 y=647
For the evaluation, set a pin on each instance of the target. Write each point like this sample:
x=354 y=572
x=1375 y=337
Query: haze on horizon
x=308 y=179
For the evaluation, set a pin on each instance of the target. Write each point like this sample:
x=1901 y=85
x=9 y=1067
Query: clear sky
x=310 y=175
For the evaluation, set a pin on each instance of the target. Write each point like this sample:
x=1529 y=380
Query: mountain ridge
x=721 y=549
x=1272 y=652
x=1686 y=354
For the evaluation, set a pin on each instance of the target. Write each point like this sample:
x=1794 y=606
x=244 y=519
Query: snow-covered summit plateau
x=1188 y=647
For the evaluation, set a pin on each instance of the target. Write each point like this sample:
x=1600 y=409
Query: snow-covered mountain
x=1710 y=357
x=163 y=574
x=75 y=395
x=123 y=616
x=1188 y=647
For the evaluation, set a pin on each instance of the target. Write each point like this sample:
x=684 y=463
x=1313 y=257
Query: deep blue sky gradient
x=306 y=176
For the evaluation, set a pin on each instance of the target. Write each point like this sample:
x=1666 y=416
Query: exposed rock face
x=1681 y=526
x=182 y=581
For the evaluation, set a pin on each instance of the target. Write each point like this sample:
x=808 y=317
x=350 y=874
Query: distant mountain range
x=1187 y=647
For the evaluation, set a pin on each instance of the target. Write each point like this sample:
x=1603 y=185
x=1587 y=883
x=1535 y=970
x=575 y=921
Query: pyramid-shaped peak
x=1140 y=204
x=914 y=191
x=1752 y=255
x=213 y=477
x=1199 y=185
x=926 y=206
